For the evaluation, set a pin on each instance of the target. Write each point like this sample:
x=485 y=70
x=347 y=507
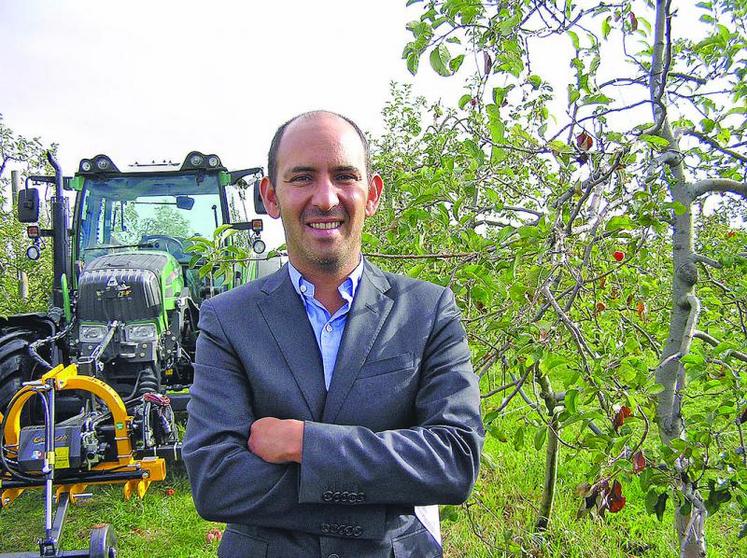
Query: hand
x=276 y=440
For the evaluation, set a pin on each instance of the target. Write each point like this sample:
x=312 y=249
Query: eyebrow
x=340 y=168
x=299 y=169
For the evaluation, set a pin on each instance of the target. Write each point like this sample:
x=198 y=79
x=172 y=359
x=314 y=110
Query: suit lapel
x=286 y=319
x=365 y=319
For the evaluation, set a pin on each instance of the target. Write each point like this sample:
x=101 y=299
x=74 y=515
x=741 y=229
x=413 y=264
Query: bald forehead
x=318 y=123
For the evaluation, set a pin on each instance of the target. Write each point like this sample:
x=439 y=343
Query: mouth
x=325 y=226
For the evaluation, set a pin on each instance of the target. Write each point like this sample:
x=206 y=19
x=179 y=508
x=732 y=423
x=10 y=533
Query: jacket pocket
x=240 y=545
x=386 y=365
x=419 y=544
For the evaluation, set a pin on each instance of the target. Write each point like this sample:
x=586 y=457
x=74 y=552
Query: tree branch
x=724 y=185
x=706 y=260
x=713 y=143
x=703 y=336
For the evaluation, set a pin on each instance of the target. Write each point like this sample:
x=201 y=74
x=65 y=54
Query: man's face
x=322 y=194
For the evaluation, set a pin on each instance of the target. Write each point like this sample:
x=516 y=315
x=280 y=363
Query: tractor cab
x=119 y=213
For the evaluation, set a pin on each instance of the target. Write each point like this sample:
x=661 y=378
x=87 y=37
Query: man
x=332 y=401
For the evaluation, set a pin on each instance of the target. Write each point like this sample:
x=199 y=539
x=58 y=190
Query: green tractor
x=125 y=298
x=88 y=389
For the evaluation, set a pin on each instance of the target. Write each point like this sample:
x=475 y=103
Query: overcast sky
x=142 y=80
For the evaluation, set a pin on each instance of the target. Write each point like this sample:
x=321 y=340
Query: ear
x=375 y=188
x=269 y=197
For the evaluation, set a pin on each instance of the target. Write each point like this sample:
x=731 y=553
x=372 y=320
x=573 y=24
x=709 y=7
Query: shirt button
x=302 y=288
x=328 y=328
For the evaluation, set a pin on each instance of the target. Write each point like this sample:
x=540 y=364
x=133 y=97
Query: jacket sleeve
x=229 y=483
x=435 y=461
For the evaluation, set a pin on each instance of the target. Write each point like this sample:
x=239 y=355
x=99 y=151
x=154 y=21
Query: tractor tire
x=103 y=542
x=16 y=365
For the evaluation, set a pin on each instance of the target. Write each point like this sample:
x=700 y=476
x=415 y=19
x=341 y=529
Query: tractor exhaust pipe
x=61 y=238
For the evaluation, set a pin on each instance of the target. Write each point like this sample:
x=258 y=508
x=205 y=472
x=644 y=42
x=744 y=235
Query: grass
x=497 y=521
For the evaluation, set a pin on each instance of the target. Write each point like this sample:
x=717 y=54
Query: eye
x=300 y=179
x=347 y=177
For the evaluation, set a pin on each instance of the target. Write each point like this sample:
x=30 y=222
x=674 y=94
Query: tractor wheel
x=103 y=542
x=16 y=365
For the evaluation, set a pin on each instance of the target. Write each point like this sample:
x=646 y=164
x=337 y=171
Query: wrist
x=297 y=449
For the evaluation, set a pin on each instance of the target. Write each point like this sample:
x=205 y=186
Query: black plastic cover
x=66 y=442
x=124 y=287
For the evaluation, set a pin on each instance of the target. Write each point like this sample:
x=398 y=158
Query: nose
x=325 y=194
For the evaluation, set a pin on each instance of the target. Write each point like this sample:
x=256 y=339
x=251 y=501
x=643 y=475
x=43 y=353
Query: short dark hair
x=272 y=154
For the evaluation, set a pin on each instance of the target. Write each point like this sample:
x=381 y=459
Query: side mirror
x=185 y=202
x=259 y=205
x=28 y=205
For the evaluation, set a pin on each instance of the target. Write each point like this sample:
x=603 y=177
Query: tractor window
x=138 y=211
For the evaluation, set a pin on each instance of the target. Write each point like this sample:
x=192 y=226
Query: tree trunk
x=551 y=473
x=670 y=373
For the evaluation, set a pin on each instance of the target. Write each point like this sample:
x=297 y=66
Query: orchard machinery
x=89 y=389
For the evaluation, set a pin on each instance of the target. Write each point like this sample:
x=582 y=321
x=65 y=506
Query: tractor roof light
x=197 y=160
x=97 y=165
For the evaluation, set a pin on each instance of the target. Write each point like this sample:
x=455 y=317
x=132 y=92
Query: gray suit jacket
x=399 y=427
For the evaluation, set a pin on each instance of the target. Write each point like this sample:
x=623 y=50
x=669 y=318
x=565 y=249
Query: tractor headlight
x=196 y=160
x=92 y=333
x=86 y=166
x=213 y=161
x=141 y=332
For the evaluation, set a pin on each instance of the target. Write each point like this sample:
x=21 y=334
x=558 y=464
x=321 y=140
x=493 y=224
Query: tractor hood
x=129 y=286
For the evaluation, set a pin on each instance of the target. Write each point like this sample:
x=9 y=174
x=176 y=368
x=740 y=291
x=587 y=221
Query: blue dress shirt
x=327 y=328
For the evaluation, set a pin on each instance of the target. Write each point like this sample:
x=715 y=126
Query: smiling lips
x=326 y=226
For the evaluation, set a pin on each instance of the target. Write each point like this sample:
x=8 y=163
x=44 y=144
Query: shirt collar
x=346 y=289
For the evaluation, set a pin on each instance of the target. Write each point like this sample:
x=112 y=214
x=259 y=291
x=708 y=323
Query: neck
x=326 y=282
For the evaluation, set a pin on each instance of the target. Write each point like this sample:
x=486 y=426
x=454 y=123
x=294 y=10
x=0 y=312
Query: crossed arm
x=276 y=473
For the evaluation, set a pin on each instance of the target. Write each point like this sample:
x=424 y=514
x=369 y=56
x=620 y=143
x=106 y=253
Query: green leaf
x=652 y=496
x=499 y=94
x=455 y=63
x=655 y=141
x=519 y=438
x=656 y=388
x=464 y=100
x=644 y=479
x=606 y=28
x=571 y=397
x=679 y=208
x=574 y=38
x=539 y=437
x=573 y=94
x=596 y=99
x=413 y=60
x=558 y=146
x=440 y=58
x=535 y=81
x=661 y=505
x=620 y=222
